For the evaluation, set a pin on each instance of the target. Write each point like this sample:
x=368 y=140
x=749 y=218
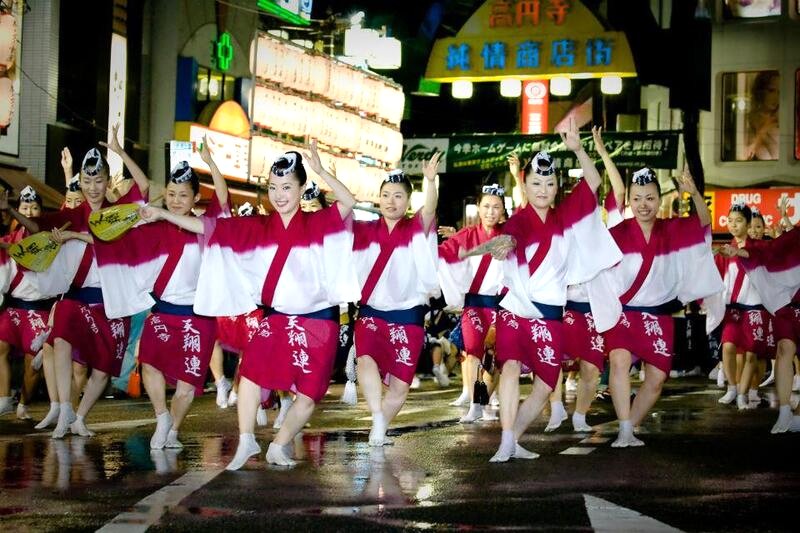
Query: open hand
x=66 y=160
x=431 y=167
x=571 y=137
x=114 y=145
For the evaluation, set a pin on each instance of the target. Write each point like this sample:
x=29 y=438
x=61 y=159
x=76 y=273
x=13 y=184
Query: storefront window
x=745 y=9
x=750 y=104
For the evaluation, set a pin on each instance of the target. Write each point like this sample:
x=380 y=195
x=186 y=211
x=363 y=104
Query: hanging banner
x=473 y=153
x=765 y=200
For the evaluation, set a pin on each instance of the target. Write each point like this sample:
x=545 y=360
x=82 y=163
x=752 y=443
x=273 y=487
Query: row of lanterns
x=559 y=86
x=304 y=70
x=8 y=54
x=284 y=113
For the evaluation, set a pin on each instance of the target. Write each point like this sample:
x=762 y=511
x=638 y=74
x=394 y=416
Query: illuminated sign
x=499 y=42
x=535 y=97
x=765 y=200
x=292 y=11
x=224 y=51
x=231 y=153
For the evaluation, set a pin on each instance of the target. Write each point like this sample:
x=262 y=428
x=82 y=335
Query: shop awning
x=19 y=179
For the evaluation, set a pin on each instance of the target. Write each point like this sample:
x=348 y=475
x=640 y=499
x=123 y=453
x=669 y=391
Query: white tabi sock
x=507 y=447
x=247 y=448
x=784 y=422
x=579 y=422
x=557 y=415
x=51 y=417
x=729 y=396
x=377 y=435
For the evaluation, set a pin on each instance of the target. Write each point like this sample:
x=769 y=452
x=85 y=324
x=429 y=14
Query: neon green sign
x=224 y=50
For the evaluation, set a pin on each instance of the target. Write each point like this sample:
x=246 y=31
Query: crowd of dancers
x=549 y=286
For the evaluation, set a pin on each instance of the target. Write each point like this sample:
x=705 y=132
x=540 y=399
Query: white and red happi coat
x=583 y=337
x=158 y=264
x=676 y=264
x=407 y=282
x=571 y=246
x=738 y=307
x=27 y=310
x=312 y=275
x=774 y=269
x=470 y=277
x=97 y=341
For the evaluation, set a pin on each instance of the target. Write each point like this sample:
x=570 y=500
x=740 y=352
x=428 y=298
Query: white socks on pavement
x=473 y=414
x=79 y=427
x=276 y=455
x=172 y=440
x=625 y=437
x=557 y=415
x=741 y=402
x=223 y=389
x=51 y=417
x=247 y=448
x=462 y=400
x=66 y=417
x=579 y=424
x=784 y=422
x=286 y=404
x=22 y=412
x=729 y=396
x=377 y=435
x=507 y=447
x=261 y=417
x=163 y=425
x=6 y=405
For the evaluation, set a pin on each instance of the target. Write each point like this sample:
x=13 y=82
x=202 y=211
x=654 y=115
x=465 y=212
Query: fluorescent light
x=462 y=89
x=511 y=88
x=560 y=86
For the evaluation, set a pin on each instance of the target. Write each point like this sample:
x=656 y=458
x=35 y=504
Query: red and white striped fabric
x=676 y=263
x=774 y=269
x=409 y=278
x=317 y=273
x=571 y=246
x=457 y=276
x=130 y=266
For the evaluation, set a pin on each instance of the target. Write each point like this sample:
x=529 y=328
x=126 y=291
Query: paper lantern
x=611 y=84
x=8 y=40
x=511 y=88
x=462 y=89
x=560 y=86
x=6 y=101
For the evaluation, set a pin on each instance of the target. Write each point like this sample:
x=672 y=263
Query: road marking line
x=150 y=509
x=577 y=450
x=608 y=517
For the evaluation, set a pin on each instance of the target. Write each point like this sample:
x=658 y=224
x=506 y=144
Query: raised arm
x=189 y=223
x=686 y=184
x=66 y=165
x=514 y=167
x=617 y=184
x=344 y=198
x=572 y=141
x=27 y=223
x=139 y=177
x=220 y=185
x=429 y=169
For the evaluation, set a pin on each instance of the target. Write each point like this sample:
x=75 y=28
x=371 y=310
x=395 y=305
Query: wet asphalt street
x=704 y=467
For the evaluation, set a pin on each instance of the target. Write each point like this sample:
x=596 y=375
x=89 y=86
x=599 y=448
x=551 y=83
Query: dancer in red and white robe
x=474 y=284
x=773 y=267
x=297 y=266
x=156 y=266
x=666 y=263
x=547 y=249
x=81 y=330
x=396 y=264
